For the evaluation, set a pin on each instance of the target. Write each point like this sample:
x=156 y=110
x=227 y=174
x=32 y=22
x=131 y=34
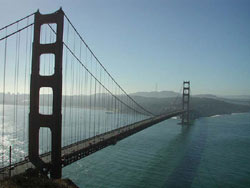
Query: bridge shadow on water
x=193 y=140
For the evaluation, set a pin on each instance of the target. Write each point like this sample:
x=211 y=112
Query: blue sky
x=144 y=42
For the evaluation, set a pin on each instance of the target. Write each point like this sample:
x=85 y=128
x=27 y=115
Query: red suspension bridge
x=58 y=102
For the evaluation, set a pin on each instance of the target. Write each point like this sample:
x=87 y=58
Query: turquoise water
x=213 y=152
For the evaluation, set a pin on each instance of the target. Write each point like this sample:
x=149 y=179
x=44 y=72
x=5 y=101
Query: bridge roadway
x=79 y=150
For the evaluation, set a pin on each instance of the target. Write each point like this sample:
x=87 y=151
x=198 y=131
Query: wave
x=215 y=116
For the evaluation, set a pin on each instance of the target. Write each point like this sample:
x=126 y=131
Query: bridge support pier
x=185 y=103
x=52 y=121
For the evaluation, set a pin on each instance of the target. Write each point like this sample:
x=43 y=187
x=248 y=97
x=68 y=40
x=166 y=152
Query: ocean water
x=213 y=152
x=77 y=124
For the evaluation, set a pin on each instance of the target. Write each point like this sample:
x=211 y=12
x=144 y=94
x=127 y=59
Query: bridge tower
x=185 y=102
x=52 y=121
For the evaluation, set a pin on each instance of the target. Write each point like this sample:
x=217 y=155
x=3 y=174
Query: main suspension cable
x=105 y=68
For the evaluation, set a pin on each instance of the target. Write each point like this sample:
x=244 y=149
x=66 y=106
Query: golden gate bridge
x=58 y=102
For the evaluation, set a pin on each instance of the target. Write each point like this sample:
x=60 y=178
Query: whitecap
x=215 y=116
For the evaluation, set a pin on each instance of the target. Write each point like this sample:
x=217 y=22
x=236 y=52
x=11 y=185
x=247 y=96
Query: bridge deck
x=79 y=150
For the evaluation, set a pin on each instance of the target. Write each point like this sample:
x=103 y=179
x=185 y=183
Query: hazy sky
x=144 y=42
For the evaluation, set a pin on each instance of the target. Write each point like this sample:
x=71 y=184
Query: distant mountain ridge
x=202 y=104
x=206 y=96
x=156 y=94
x=156 y=102
x=199 y=106
x=236 y=96
x=168 y=94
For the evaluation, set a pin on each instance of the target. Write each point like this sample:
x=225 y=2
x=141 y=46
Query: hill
x=156 y=102
x=157 y=94
x=200 y=106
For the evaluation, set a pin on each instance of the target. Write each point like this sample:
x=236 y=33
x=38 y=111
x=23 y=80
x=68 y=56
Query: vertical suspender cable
x=66 y=123
x=4 y=82
x=81 y=97
x=99 y=103
x=86 y=95
x=95 y=104
x=90 y=93
x=24 y=89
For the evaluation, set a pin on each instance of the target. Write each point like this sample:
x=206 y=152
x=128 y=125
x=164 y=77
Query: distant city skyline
x=143 y=43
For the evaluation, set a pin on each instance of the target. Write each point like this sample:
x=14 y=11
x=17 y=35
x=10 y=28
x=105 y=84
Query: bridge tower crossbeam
x=52 y=121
